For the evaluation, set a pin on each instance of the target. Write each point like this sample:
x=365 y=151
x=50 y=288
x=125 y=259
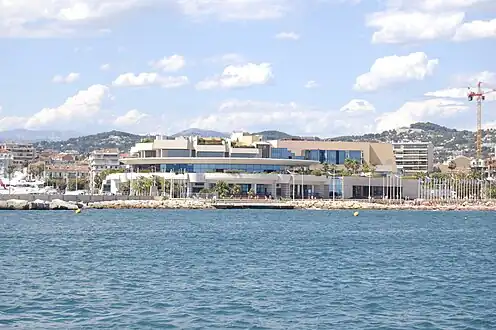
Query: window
x=175 y=153
x=210 y=154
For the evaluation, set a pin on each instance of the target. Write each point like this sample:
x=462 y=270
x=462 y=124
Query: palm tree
x=222 y=189
x=351 y=165
x=10 y=170
x=236 y=190
x=452 y=166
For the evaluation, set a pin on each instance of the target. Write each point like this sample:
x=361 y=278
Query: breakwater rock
x=56 y=204
x=410 y=205
x=191 y=204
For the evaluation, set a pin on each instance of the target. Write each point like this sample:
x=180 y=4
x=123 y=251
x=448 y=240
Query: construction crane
x=479 y=96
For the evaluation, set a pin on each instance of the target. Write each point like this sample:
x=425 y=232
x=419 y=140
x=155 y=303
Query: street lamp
x=370 y=197
x=293 y=180
x=333 y=184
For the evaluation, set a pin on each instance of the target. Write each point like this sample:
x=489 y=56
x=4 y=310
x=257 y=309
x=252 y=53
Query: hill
x=26 y=135
x=274 y=135
x=446 y=141
x=84 y=144
x=200 y=133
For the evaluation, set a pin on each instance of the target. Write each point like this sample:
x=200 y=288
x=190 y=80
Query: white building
x=414 y=157
x=6 y=160
x=104 y=159
x=22 y=153
x=253 y=165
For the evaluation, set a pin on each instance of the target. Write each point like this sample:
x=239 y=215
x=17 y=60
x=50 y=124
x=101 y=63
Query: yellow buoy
x=78 y=211
x=355 y=214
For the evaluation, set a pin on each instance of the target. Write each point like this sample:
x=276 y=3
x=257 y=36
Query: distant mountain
x=275 y=135
x=25 y=135
x=84 y=144
x=200 y=133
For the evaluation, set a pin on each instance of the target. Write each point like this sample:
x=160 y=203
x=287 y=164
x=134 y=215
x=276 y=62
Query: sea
x=247 y=269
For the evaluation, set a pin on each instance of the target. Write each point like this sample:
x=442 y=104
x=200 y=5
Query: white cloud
x=86 y=104
x=394 y=27
x=287 y=36
x=11 y=122
x=63 y=18
x=227 y=59
x=170 y=64
x=391 y=70
x=105 y=67
x=476 y=30
x=311 y=84
x=460 y=90
x=415 y=111
x=235 y=76
x=130 y=118
x=357 y=106
x=437 y=5
x=149 y=79
x=70 y=78
x=253 y=116
x=229 y=10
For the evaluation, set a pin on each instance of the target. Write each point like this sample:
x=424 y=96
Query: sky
x=307 y=67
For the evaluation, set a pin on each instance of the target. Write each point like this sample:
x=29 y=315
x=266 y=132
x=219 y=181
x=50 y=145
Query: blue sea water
x=247 y=270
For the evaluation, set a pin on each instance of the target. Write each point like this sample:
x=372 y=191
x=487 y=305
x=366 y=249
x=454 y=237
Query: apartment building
x=104 y=159
x=22 y=153
x=6 y=160
x=414 y=157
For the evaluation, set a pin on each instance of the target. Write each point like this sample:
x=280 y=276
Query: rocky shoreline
x=193 y=204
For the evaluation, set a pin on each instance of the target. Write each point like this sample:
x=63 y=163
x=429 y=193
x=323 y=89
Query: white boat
x=19 y=184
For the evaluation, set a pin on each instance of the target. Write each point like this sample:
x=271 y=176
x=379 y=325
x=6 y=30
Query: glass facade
x=240 y=155
x=208 y=168
x=215 y=154
x=281 y=153
x=336 y=157
x=176 y=153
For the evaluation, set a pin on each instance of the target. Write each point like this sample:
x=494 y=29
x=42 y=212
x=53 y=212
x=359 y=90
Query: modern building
x=263 y=167
x=23 y=153
x=6 y=160
x=379 y=155
x=414 y=157
x=104 y=159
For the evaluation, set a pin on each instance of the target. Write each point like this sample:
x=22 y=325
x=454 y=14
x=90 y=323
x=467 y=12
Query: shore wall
x=74 y=198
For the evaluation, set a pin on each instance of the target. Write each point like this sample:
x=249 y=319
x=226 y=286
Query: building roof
x=217 y=160
x=68 y=168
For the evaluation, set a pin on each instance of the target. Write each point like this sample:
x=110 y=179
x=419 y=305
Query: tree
x=252 y=193
x=142 y=186
x=82 y=184
x=10 y=170
x=452 y=165
x=351 y=165
x=124 y=188
x=236 y=190
x=98 y=178
x=365 y=167
x=222 y=189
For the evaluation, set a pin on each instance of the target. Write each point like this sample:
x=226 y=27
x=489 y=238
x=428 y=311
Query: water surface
x=247 y=269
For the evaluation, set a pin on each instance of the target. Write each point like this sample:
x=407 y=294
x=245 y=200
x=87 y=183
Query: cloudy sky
x=313 y=67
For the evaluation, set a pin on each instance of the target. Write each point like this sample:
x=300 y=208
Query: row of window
x=206 y=168
x=336 y=157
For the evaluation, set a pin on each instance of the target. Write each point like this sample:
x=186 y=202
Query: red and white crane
x=479 y=96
